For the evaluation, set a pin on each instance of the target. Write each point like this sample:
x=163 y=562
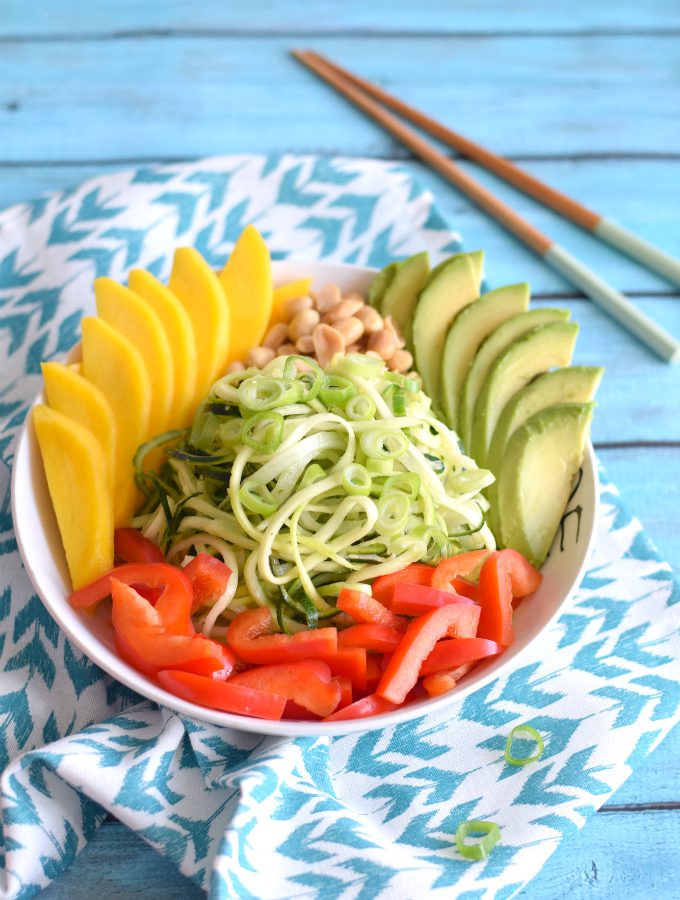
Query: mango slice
x=283 y=294
x=74 y=396
x=78 y=481
x=247 y=283
x=112 y=364
x=199 y=291
x=180 y=335
x=136 y=321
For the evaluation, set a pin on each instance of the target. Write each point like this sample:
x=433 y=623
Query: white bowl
x=42 y=553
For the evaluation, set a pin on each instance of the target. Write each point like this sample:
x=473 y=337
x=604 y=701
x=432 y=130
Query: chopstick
x=556 y=256
x=607 y=230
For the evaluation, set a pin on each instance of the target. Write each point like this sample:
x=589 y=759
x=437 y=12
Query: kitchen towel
x=356 y=817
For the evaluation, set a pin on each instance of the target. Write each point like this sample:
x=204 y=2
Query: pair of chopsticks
x=368 y=97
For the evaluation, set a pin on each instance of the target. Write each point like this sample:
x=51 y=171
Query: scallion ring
x=336 y=390
x=360 y=408
x=262 y=392
x=526 y=733
x=393 y=512
x=357 y=480
x=379 y=443
x=263 y=431
x=361 y=366
x=491 y=835
x=406 y=482
x=256 y=497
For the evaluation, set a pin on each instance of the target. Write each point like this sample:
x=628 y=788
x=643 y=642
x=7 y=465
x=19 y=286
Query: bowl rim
x=75 y=627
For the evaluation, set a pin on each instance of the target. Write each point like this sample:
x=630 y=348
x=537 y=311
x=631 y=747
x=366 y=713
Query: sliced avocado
x=540 y=462
x=401 y=296
x=476 y=257
x=540 y=349
x=471 y=326
x=444 y=295
x=380 y=284
x=484 y=358
x=576 y=384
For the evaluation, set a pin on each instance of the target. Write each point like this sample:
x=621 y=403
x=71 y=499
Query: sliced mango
x=78 y=481
x=112 y=364
x=74 y=396
x=180 y=334
x=199 y=291
x=247 y=283
x=283 y=294
x=136 y=321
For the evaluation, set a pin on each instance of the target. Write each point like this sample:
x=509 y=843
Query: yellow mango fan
x=247 y=283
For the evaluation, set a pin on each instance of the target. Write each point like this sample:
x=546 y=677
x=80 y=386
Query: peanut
x=342 y=310
x=235 y=366
x=328 y=296
x=327 y=343
x=370 y=318
x=383 y=343
x=351 y=329
x=276 y=336
x=296 y=305
x=286 y=350
x=303 y=323
x=260 y=356
x=401 y=361
x=354 y=295
x=305 y=344
x=392 y=328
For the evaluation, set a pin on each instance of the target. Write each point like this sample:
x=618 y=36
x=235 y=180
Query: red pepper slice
x=361 y=709
x=131 y=546
x=348 y=662
x=374 y=670
x=461 y=564
x=222 y=695
x=173 y=605
x=401 y=674
x=455 y=652
x=307 y=683
x=416 y=573
x=465 y=588
x=438 y=683
x=250 y=637
x=346 y=692
x=143 y=640
x=375 y=638
x=503 y=573
x=209 y=578
x=367 y=610
x=414 y=599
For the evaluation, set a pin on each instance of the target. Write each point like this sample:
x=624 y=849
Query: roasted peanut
x=235 y=366
x=303 y=323
x=354 y=295
x=305 y=344
x=351 y=329
x=260 y=356
x=328 y=296
x=296 y=305
x=384 y=343
x=392 y=328
x=286 y=350
x=342 y=310
x=276 y=336
x=370 y=318
x=401 y=361
x=327 y=342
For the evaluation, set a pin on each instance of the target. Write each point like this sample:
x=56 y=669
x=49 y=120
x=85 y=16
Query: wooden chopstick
x=614 y=302
x=606 y=229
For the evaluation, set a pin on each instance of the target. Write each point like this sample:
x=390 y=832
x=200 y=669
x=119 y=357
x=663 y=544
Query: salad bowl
x=41 y=550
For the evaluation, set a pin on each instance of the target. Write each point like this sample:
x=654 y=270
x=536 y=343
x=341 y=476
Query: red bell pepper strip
x=375 y=638
x=415 y=599
x=416 y=573
x=209 y=578
x=367 y=610
x=173 y=605
x=455 y=652
x=438 y=683
x=131 y=546
x=250 y=637
x=374 y=670
x=143 y=640
x=401 y=674
x=465 y=564
x=346 y=693
x=501 y=573
x=348 y=662
x=308 y=683
x=465 y=588
x=223 y=695
x=361 y=709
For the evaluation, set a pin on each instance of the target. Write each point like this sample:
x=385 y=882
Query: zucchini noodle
x=303 y=481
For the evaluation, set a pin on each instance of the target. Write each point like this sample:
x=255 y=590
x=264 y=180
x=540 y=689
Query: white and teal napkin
x=250 y=817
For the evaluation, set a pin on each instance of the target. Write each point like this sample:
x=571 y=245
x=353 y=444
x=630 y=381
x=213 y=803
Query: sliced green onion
x=480 y=850
x=380 y=466
x=309 y=382
x=262 y=392
x=360 y=408
x=230 y=432
x=525 y=733
x=256 y=497
x=356 y=480
x=312 y=473
x=361 y=366
x=263 y=431
x=379 y=443
x=393 y=511
x=337 y=390
x=408 y=384
x=406 y=482
x=470 y=481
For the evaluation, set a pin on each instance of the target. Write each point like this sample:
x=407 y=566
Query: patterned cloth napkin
x=366 y=817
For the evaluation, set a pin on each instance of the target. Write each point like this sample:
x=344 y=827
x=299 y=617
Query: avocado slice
x=471 y=326
x=540 y=462
x=540 y=349
x=576 y=384
x=401 y=296
x=484 y=358
x=380 y=284
x=447 y=291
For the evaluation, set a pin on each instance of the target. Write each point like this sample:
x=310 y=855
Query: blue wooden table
x=585 y=95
